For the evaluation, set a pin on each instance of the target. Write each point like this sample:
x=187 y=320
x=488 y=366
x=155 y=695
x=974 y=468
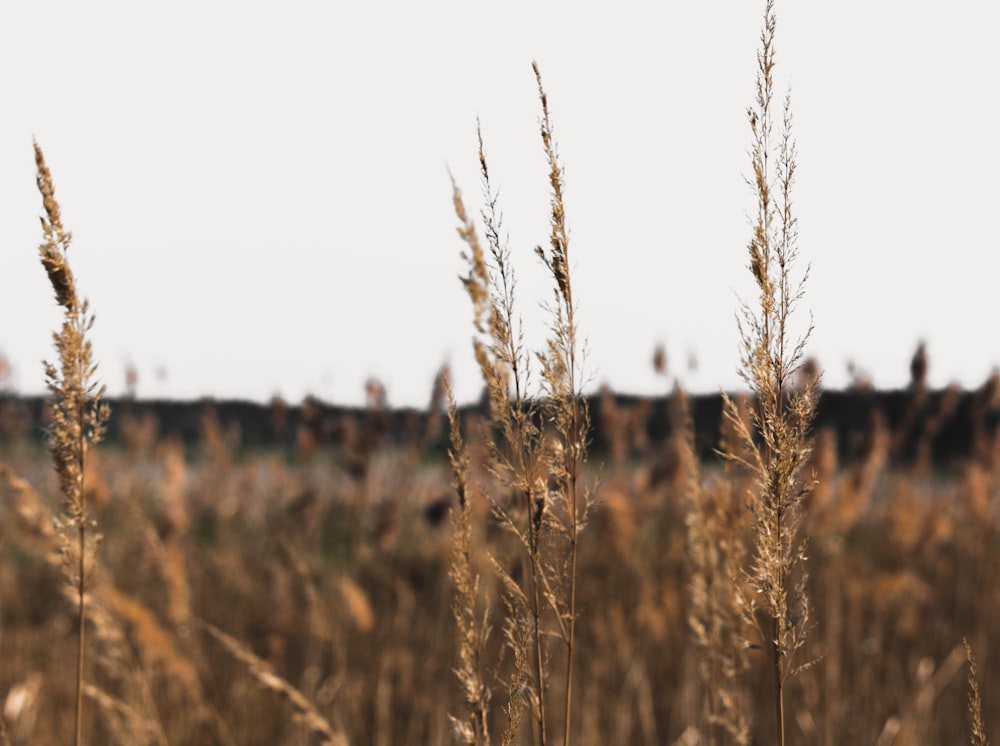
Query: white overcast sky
x=260 y=200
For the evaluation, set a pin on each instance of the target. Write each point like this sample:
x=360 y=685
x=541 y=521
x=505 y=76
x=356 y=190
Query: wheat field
x=780 y=564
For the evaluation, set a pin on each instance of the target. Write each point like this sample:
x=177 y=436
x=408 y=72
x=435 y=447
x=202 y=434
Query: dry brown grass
x=537 y=446
x=890 y=606
x=978 y=735
x=778 y=446
x=350 y=606
x=304 y=711
x=473 y=623
x=77 y=416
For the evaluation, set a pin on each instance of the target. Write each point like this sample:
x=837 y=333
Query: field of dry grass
x=340 y=582
x=525 y=571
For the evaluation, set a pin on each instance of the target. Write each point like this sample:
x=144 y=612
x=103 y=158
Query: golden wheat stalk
x=78 y=417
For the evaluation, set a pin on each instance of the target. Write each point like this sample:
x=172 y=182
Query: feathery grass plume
x=978 y=735
x=906 y=436
x=32 y=516
x=930 y=682
x=714 y=548
x=305 y=712
x=150 y=639
x=783 y=413
x=123 y=722
x=565 y=409
x=125 y=662
x=436 y=410
x=520 y=635
x=536 y=448
x=472 y=632
x=78 y=416
x=515 y=440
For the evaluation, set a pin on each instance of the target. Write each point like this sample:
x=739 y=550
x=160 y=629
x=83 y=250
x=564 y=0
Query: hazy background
x=260 y=199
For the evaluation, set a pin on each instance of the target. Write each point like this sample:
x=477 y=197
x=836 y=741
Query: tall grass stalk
x=716 y=552
x=514 y=439
x=565 y=408
x=472 y=632
x=537 y=445
x=779 y=446
x=78 y=416
x=977 y=737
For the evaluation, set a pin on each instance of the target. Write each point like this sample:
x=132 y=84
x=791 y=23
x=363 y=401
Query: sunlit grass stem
x=771 y=355
x=78 y=417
